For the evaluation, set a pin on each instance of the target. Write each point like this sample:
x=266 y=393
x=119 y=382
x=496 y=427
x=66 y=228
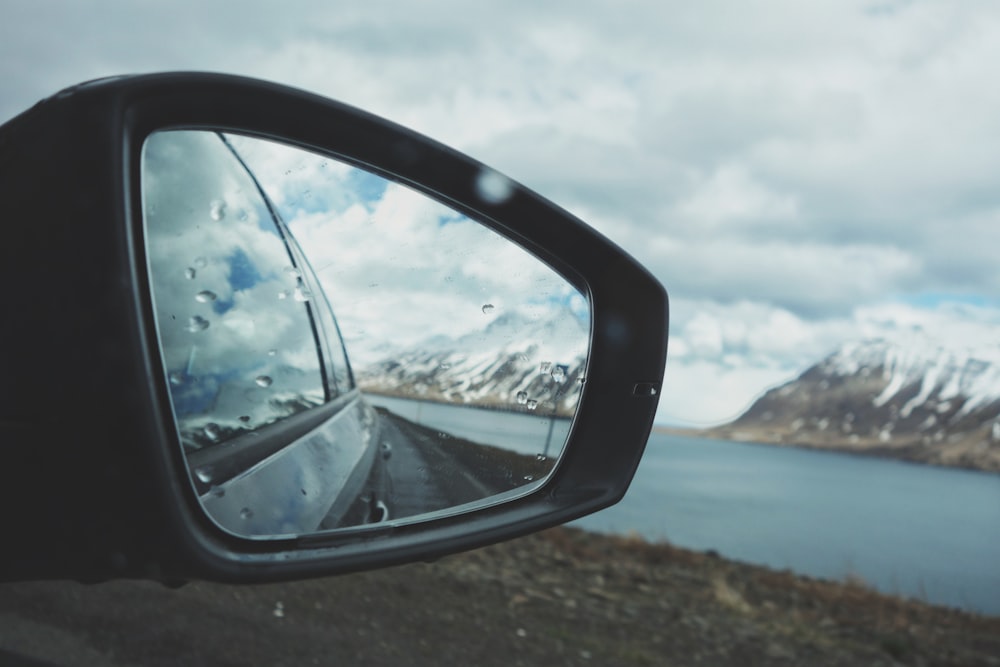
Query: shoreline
x=907 y=453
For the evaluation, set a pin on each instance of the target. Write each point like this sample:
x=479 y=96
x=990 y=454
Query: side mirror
x=477 y=372
x=270 y=336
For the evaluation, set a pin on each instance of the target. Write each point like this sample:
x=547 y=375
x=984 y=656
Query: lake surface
x=920 y=531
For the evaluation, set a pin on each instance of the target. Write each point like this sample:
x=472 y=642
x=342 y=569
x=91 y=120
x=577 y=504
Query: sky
x=401 y=269
x=798 y=175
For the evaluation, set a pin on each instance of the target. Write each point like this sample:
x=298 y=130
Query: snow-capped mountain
x=914 y=398
x=515 y=363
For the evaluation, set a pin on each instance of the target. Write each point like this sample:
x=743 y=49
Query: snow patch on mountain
x=528 y=362
x=915 y=396
x=941 y=373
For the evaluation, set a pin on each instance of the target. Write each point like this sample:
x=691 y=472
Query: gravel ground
x=562 y=597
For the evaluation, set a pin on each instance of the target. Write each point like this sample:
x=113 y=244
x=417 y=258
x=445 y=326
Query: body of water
x=920 y=531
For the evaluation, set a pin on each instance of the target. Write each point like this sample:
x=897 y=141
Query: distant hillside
x=514 y=364
x=917 y=399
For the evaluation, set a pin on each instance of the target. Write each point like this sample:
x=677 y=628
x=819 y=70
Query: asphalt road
x=422 y=476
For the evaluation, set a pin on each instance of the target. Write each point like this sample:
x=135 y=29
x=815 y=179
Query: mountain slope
x=914 y=399
x=516 y=363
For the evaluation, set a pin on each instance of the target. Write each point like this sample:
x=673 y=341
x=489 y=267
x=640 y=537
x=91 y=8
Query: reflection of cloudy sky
x=398 y=267
x=218 y=270
x=797 y=174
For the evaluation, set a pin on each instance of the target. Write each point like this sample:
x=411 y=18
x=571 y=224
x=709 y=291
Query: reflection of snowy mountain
x=919 y=400
x=515 y=363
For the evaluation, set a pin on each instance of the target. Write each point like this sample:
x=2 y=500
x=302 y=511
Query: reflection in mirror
x=342 y=350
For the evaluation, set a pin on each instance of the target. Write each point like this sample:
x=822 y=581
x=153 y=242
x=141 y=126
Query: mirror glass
x=342 y=350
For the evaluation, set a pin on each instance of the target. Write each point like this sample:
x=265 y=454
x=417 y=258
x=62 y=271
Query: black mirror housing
x=93 y=484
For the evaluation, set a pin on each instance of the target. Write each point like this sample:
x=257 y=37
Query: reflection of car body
x=277 y=435
x=328 y=476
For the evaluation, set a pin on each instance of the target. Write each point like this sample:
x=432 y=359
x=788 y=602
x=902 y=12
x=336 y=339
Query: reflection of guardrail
x=526 y=432
x=500 y=406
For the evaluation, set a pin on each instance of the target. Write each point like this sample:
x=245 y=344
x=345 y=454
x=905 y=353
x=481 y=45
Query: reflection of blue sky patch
x=265 y=222
x=242 y=272
x=222 y=306
x=451 y=218
x=369 y=188
x=329 y=195
x=195 y=395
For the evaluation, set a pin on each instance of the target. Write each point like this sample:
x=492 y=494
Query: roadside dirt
x=562 y=597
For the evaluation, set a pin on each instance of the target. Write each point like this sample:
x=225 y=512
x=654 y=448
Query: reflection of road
x=422 y=477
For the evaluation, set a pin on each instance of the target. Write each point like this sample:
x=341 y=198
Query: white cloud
x=702 y=393
x=722 y=357
x=792 y=163
x=400 y=268
x=731 y=195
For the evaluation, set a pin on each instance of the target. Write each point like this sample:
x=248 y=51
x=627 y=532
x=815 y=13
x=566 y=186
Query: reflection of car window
x=337 y=367
x=232 y=303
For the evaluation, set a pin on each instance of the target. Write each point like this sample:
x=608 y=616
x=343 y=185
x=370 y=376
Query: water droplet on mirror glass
x=246 y=513
x=197 y=323
x=176 y=377
x=444 y=365
x=529 y=478
x=212 y=431
x=302 y=294
x=293 y=272
x=541 y=457
x=217 y=491
x=204 y=474
x=559 y=374
x=263 y=381
x=283 y=294
x=488 y=308
x=545 y=367
x=205 y=296
x=217 y=209
x=245 y=418
x=190 y=273
x=522 y=397
x=271 y=353
x=582 y=379
x=200 y=262
x=532 y=404
x=242 y=216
